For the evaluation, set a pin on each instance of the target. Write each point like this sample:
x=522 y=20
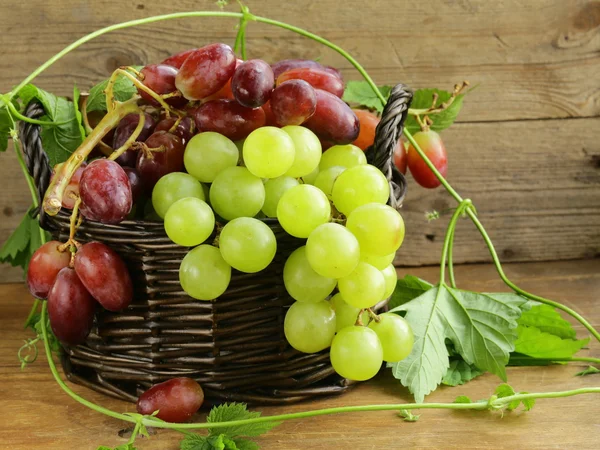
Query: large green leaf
x=533 y=342
x=408 y=288
x=548 y=320
x=482 y=328
x=460 y=372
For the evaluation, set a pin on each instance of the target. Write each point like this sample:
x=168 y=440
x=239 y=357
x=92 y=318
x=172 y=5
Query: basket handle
x=387 y=135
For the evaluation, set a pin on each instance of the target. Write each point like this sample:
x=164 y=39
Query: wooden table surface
x=37 y=415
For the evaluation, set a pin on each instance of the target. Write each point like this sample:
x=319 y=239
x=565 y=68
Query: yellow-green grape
x=268 y=152
x=391 y=278
x=237 y=193
x=356 y=353
x=204 y=274
x=303 y=208
x=332 y=251
x=311 y=177
x=359 y=186
x=345 y=314
x=379 y=262
x=308 y=151
x=326 y=179
x=189 y=222
x=363 y=287
x=309 y=327
x=274 y=189
x=247 y=244
x=378 y=228
x=302 y=282
x=342 y=155
x=396 y=336
x=208 y=154
x=172 y=187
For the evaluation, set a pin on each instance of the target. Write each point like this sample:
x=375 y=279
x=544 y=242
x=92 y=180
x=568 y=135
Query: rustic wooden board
x=39 y=416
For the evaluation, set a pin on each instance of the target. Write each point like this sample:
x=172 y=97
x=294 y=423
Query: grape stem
x=436 y=109
x=131 y=139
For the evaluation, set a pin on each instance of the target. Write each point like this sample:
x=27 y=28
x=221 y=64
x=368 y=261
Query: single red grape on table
x=176 y=400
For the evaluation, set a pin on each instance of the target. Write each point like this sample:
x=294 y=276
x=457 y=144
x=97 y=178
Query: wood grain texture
x=526 y=148
x=42 y=417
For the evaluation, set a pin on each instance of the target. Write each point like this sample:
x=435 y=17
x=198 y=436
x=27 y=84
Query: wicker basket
x=234 y=346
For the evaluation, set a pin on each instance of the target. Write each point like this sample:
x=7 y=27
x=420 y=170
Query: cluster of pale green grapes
x=283 y=173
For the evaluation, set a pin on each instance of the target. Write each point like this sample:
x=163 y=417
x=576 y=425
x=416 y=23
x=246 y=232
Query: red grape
x=105 y=192
x=229 y=118
x=70 y=308
x=433 y=147
x=269 y=117
x=334 y=71
x=184 y=131
x=293 y=102
x=288 y=64
x=252 y=83
x=72 y=189
x=178 y=59
x=225 y=92
x=125 y=129
x=43 y=267
x=152 y=168
x=205 y=71
x=135 y=181
x=368 y=124
x=176 y=400
x=161 y=79
x=333 y=120
x=317 y=78
x=104 y=275
x=400 y=157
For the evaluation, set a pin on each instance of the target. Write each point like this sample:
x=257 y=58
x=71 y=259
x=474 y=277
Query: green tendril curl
x=465 y=207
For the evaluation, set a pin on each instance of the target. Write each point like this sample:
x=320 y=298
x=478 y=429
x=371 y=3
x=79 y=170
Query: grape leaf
x=23 y=242
x=460 y=372
x=408 y=288
x=547 y=319
x=408 y=416
x=589 y=371
x=533 y=342
x=237 y=411
x=5 y=127
x=76 y=95
x=359 y=93
x=505 y=390
x=59 y=141
x=423 y=98
x=462 y=399
x=482 y=328
x=123 y=90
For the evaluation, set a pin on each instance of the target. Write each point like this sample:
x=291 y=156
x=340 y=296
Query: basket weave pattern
x=234 y=346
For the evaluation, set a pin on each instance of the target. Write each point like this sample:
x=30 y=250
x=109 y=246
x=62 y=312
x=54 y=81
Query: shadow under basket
x=233 y=346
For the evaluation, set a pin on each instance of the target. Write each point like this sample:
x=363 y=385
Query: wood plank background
x=527 y=145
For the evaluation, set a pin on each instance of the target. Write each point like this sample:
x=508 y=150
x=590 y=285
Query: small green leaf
x=460 y=372
x=6 y=125
x=548 y=320
x=528 y=403
x=423 y=98
x=407 y=289
x=237 y=411
x=76 y=95
x=462 y=399
x=246 y=444
x=408 y=416
x=194 y=441
x=533 y=342
x=359 y=93
x=23 y=242
x=123 y=90
x=504 y=390
x=589 y=371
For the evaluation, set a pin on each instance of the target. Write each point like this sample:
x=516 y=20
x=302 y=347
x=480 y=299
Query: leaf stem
x=464 y=204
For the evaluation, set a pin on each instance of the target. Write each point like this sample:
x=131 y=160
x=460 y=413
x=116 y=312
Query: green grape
x=332 y=251
x=237 y=193
x=364 y=287
x=247 y=244
x=378 y=228
x=189 y=221
x=204 y=274
x=172 y=187
x=302 y=282
x=391 y=278
x=358 y=186
x=268 y=152
x=301 y=209
x=308 y=151
x=309 y=327
x=356 y=353
x=342 y=155
x=274 y=189
x=345 y=314
x=379 y=262
x=208 y=154
x=326 y=179
x=311 y=177
x=396 y=336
